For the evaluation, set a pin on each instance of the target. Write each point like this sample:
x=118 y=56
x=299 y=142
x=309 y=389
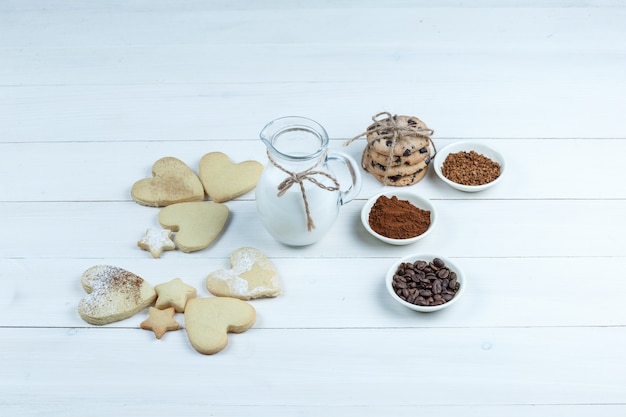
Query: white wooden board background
x=92 y=93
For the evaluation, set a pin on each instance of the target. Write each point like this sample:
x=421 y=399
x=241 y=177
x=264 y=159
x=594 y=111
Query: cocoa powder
x=470 y=168
x=398 y=219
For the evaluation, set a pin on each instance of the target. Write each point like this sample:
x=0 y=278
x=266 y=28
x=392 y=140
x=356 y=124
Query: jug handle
x=355 y=175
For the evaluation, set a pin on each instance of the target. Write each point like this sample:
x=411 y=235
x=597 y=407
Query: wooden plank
x=569 y=71
x=542 y=108
x=460 y=368
x=105 y=171
x=466 y=228
x=344 y=293
x=143 y=23
x=395 y=61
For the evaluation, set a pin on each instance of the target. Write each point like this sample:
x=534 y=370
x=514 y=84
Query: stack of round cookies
x=398 y=150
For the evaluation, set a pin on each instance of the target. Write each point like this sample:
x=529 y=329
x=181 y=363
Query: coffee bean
x=437 y=286
x=452 y=284
x=438 y=263
x=425 y=283
x=420 y=264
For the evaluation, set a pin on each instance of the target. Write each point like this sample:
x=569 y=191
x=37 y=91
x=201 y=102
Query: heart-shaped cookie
x=172 y=182
x=252 y=275
x=223 y=180
x=209 y=320
x=113 y=294
x=197 y=224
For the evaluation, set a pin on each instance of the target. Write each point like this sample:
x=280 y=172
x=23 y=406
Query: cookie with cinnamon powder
x=172 y=182
x=113 y=294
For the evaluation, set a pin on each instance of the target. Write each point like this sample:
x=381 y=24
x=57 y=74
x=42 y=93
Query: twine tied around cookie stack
x=299 y=178
x=398 y=149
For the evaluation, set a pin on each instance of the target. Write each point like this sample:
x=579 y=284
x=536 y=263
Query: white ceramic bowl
x=460 y=276
x=467 y=147
x=412 y=198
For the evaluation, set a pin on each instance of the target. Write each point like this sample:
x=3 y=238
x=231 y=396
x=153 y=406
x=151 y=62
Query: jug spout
x=266 y=135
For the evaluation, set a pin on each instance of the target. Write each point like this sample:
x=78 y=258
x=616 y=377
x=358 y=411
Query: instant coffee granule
x=470 y=168
x=398 y=219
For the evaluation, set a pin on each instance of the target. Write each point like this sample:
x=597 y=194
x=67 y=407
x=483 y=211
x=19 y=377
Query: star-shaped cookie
x=160 y=321
x=174 y=294
x=156 y=241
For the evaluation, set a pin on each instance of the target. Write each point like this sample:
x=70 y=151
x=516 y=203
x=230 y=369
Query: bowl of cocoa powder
x=425 y=282
x=398 y=217
x=469 y=166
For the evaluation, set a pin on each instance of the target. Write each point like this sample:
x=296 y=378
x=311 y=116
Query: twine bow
x=299 y=178
x=387 y=128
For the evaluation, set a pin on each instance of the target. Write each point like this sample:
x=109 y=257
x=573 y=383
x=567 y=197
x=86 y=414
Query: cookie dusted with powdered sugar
x=252 y=275
x=156 y=241
x=113 y=294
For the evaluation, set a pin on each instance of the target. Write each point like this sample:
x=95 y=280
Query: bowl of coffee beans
x=469 y=166
x=398 y=217
x=425 y=283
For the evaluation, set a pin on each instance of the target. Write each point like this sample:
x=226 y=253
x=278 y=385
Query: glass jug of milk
x=298 y=196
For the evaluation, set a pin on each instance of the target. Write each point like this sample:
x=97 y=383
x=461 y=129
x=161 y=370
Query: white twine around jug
x=299 y=178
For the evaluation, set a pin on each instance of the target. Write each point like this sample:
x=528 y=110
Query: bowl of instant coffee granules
x=469 y=166
x=398 y=217
x=425 y=282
